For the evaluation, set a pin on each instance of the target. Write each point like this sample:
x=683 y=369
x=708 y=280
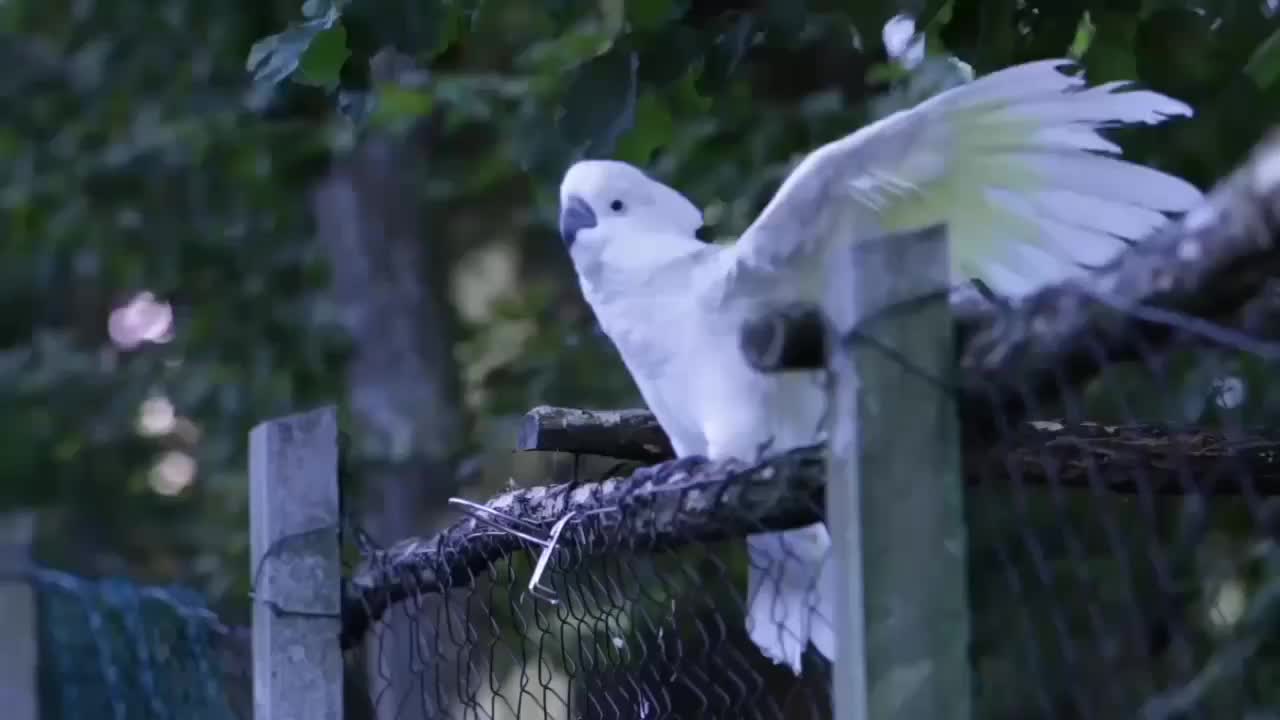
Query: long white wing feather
x=1011 y=162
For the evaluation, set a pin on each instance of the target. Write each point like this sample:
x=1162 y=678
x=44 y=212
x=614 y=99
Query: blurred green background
x=216 y=213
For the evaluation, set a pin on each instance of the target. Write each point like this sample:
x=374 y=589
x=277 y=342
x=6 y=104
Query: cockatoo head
x=612 y=213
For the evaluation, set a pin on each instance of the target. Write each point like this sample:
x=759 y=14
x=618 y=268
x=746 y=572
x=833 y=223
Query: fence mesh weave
x=1121 y=563
x=114 y=650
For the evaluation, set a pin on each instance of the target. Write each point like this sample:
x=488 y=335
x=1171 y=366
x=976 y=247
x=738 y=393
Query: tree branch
x=623 y=434
x=1120 y=458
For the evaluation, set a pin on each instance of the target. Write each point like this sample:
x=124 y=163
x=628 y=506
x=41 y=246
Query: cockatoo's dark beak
x=574 y=216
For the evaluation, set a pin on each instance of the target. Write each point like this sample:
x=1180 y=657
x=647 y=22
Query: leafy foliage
x=136 y=153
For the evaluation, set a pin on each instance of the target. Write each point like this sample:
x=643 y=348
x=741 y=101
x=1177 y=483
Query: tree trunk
x=387 y=291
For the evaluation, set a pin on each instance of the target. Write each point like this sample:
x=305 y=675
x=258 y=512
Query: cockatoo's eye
x=616 y=206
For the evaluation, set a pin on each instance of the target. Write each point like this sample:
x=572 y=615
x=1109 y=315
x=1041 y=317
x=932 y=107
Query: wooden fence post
x=19 y=682
x=294 y=521
x=895 y=490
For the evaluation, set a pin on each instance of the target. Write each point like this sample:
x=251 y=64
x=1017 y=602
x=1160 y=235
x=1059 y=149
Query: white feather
x=1029 y=80
x=1097 y=175
x=791 y=594
x=1093 y=106
x=1004 y=280
x=1096 y=213
x=1074 y=244
x=1072 y=137
x=1013 y=163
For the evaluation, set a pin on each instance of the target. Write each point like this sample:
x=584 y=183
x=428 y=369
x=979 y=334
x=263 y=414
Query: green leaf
x=667 y=54
x=652 y=130
x=421 y=28
x=648 y=14
x=685 y=98
x=276 y=58
x=397 y=105
x=936 y=17
x=886 y=73
x=997 y=34
x=1083 y=37
x=600 y=103
x=1174 y=49
x=537 y=145
x=727 y=52
x=321 y=63
x=1111 y=50
x=1264 y=64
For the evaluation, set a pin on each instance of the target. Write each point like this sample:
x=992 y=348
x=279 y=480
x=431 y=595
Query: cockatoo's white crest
x=597 y=194
x=615 y=219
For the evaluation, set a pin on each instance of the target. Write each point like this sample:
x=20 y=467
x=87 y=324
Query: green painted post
x=895 y=493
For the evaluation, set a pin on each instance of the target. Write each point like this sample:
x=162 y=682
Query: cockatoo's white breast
x=679 y=341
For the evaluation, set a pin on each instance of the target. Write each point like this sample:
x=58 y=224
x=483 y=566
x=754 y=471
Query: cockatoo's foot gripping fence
x=1112 y=447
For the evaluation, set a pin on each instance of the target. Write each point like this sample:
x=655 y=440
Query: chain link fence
x=1119 y=567
x=114 y=650
x=1120 y=461
x=1120 y=465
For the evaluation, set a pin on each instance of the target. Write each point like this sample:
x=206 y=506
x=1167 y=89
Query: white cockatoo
x=1013 y=164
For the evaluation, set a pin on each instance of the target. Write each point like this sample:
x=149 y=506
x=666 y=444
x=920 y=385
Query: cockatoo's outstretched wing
x=1011 y=162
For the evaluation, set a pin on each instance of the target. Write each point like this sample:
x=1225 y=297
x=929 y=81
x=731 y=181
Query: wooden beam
x=628 y=434
x=1124 y=458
